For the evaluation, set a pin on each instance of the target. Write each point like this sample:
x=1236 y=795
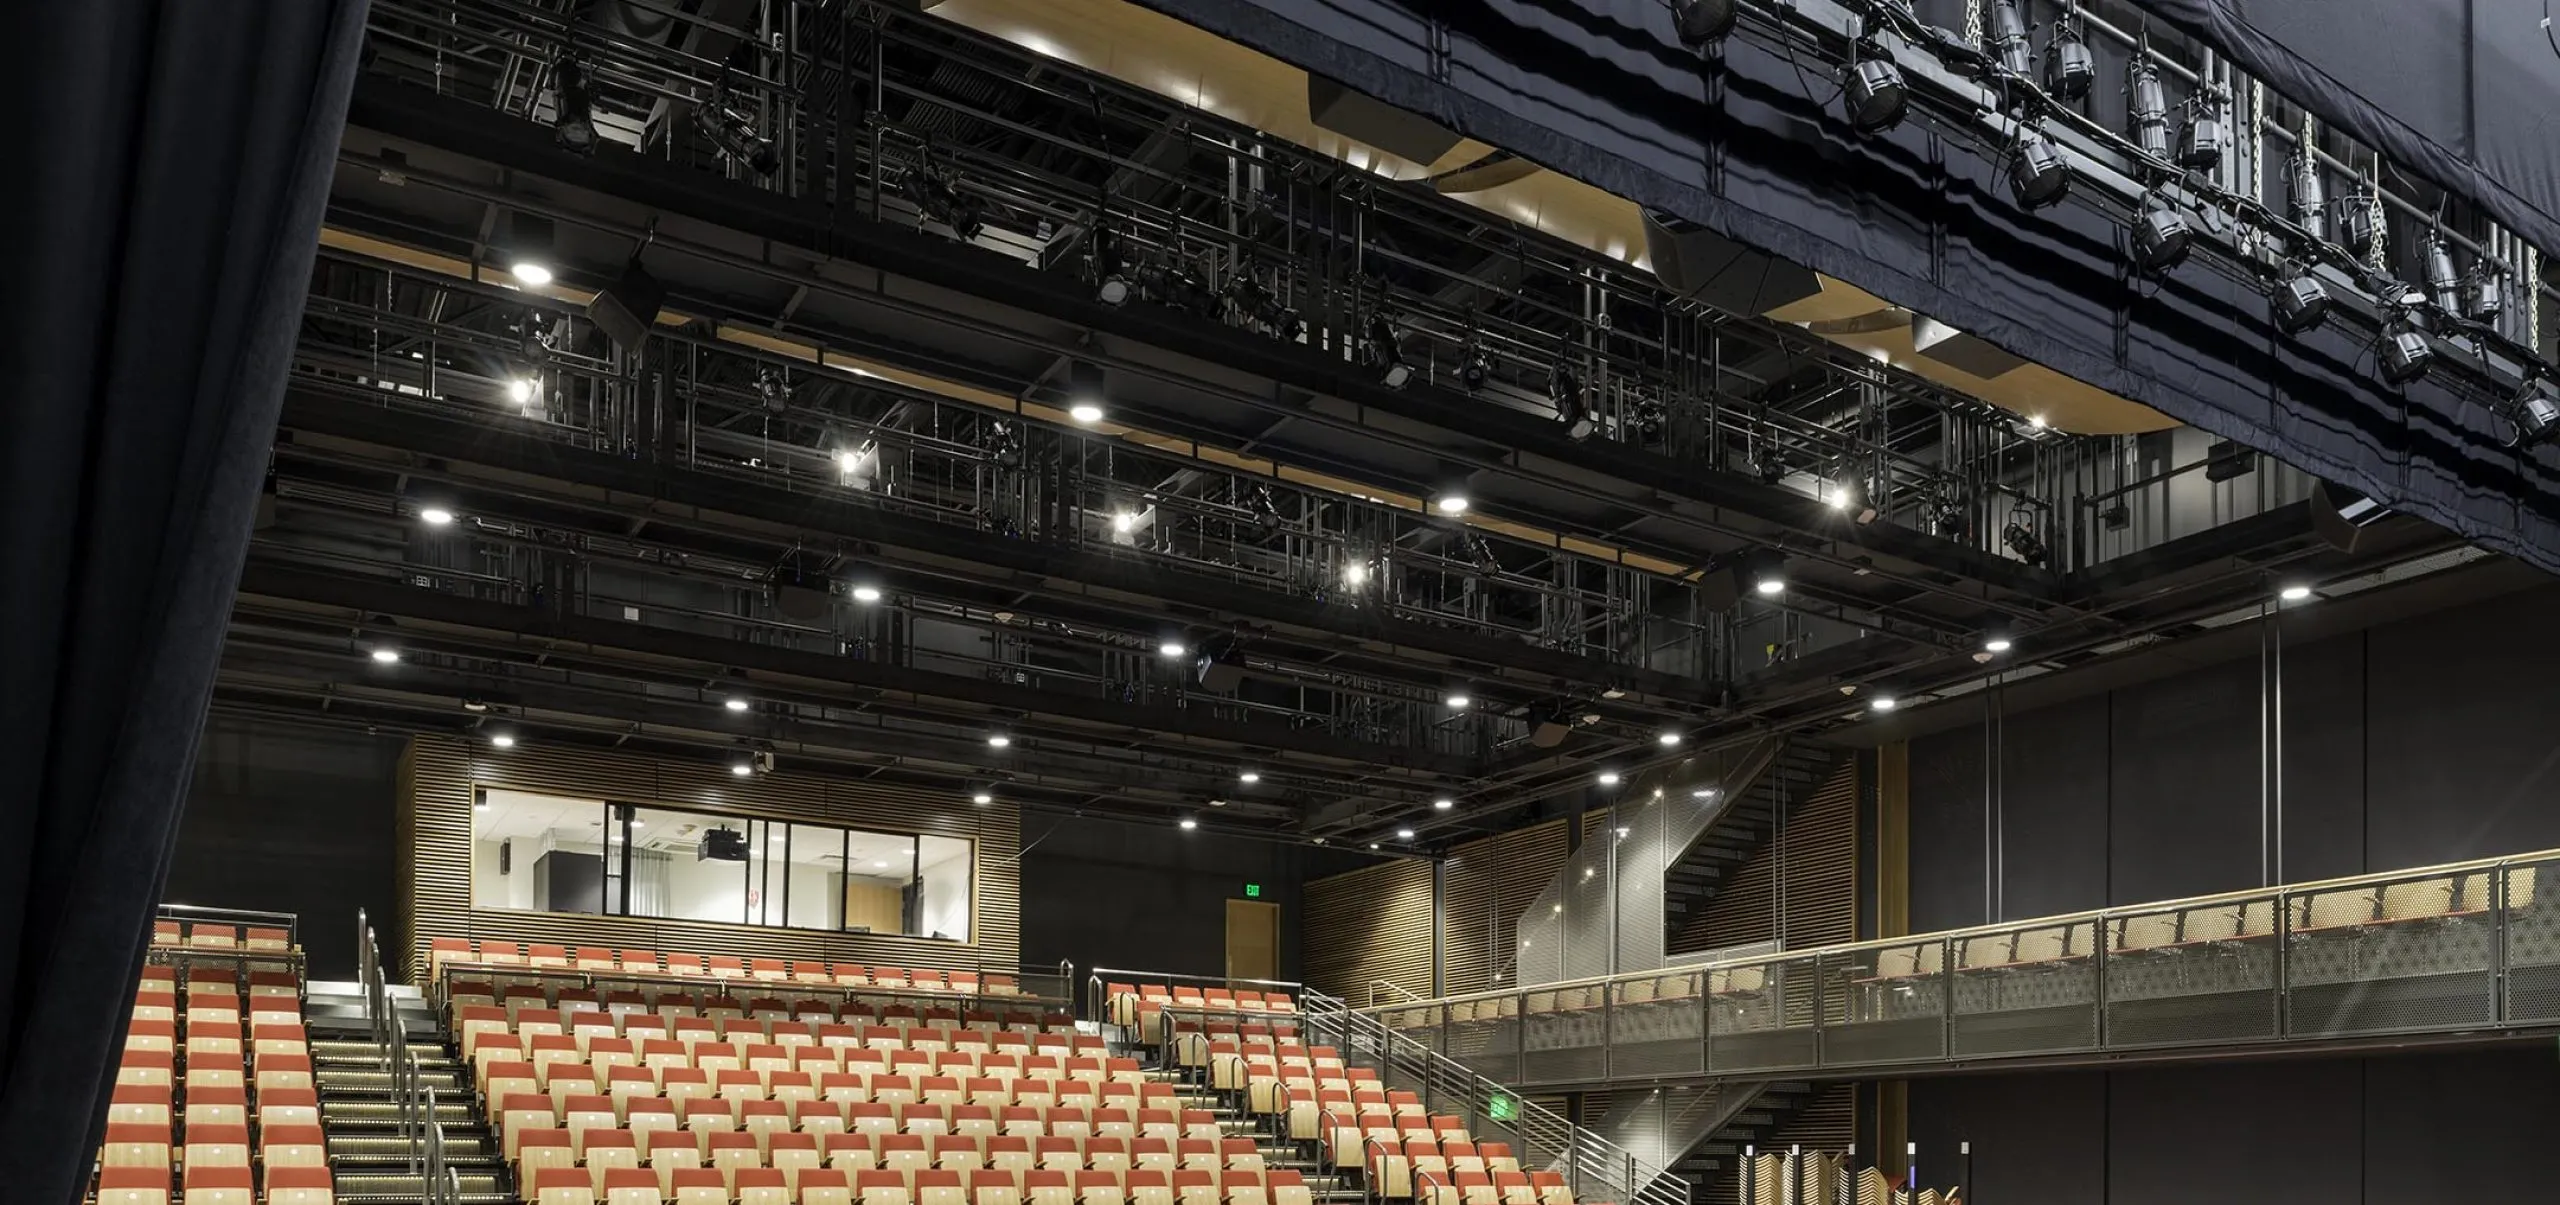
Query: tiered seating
x=215 y=1079
x=448 y=953
x=1146 y=1010
x=634 y=1097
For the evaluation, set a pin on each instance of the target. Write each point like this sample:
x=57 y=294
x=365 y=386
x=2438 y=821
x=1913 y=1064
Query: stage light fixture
x=2161 y=238
x=866 y=594
x=1474 y=369
x=1188 y=824
x=1564 y=389
x=1173 y=648
x=386 y=655
x=1111 y=283
x=1699 y=22
x=2307 y=206
x=1355 y=574
x=2407 y=354
x=2487 y=296
x=2038 y=173
x=1668 y=740
x=1883 y=703
x=1122 y=522
x=2201 y=143
x=435 y=516
x=529 y=249
x=2148 y=107
x=999 y=741
x=733 y=131
x=520 y=391
x=2009 y=40
x=1996 y=644
x=982 y=798
x=2535 y=411
x=1085 y=392
x=2069 y=69
x=1384 y=355
x=2351 y=222
x=573 y=109
x=2294 y=593
x=1449 y=502
x=742 y=767
x=1404 y=834
x=1458 y=700
x=503 y=740
x=1766 y=569
x=1608 y=778
x=2023 y=540
x=1442 y=805
x=2444 y=283
x=2299 y=301
x=735 y=703
x=1872 y=94
x=1249 y=777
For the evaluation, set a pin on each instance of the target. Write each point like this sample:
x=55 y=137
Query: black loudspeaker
x=1221 y=674
x=1956 y=349
x=1720 y=588
x=1694 y=261
x=2340 y=514
x=629 y=307
x=506 y=857
x=800 y=604
x=1382 y=125
x=1546 y=729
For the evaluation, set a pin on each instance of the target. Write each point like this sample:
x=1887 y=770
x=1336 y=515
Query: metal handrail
x=1581 y=1154
x=1410 y=996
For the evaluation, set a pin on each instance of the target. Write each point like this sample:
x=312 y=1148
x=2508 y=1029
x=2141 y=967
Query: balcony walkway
x=2460 y=953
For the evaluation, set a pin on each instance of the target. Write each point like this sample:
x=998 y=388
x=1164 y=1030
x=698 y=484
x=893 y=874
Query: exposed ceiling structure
x=844 y=484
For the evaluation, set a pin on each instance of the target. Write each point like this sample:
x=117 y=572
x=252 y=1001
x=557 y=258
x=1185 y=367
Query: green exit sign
x=1253 y=891
x=1502 y=1108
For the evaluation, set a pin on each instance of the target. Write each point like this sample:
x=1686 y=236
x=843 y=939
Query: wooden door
x=1253 y=939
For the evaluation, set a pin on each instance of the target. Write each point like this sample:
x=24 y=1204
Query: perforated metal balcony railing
x=2470 y=949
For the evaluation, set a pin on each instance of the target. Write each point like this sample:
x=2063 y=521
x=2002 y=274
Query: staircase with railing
x=395 y=1106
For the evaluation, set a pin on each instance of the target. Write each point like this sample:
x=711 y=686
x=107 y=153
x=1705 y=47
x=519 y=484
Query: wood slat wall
x=1819 y=853
x=1367 y=924
x=1828 y=1122
x=1485 y=886
x=440 y=777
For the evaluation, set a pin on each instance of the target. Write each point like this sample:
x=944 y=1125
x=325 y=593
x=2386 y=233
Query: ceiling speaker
x=1396 y=131
x=628 y=307
x=1693 y=261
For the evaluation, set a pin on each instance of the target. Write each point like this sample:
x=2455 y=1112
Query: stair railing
x=1594 y=1168
x=421 y=1136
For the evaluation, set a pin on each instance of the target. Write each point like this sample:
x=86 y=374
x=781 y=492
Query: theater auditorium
x=1281 y=602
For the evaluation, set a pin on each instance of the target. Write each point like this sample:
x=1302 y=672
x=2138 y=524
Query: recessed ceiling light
x=1404 y=834
x=735 y=703
x=999 y=741
x=1770 y=586
x=982 y=797
x=1188 y=822
x=1624 y=831
x=1442 y=805
x=1884 y=703
x=1997 y=644
x=386 y=656
x=1668 y=739
x=879 y=866
x=639 y=824
x=1373 y=845
x=2295 y=593
x=503 y=741
x=1458 y=700
x=1703 y=793
x=1173 y=648
x=1085 y=412
x=742 y=769
x=1217 y=803
x=435 y=516
x=866 y=594
x=1608 y=778
x=528 y=272
x=1248 y=777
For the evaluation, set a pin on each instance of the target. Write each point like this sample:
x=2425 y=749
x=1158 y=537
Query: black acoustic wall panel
x=2462 y=711
x=2472 y=1125
x=292 y=818
x=1946 y=825
x=2053 y=846
x=2324 y=759
x=2039 y=1139
x=2278 y=1140
x=2185 y=785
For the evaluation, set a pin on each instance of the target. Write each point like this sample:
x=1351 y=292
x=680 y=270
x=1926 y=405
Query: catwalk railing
x=2468 y=949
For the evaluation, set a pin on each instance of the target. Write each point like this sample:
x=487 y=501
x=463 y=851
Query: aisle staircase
x=1792 y=773
x=360 y=1110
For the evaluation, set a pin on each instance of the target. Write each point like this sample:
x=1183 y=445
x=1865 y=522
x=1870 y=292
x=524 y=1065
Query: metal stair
x=1191 y=1091
x=1745 y=825
x=361 y=1117
x=1712 y=1166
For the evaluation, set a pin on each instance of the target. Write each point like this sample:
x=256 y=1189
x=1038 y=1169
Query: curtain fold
x=172 y=165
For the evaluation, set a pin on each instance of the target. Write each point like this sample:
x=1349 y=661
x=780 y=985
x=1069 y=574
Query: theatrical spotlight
x=2299 y=301
x=573 y=108
x=1475 y=369
x=2038 y=174
x=1564 y=389
x=733 y=130
x=2024 y=541
x=1247 y=295
x=1766 y=570
x=2009 y=40
x=2487 y=296
x=2200 y=143
x=1384 y=355
x=2161 y=236
x=2148 y=105
x=1872 y=94
x=1111 y=281
x=2069 y=69
x=2535 y=411
x=933 y=193
x=2351 y=222
x=1699 y=22
x=2306 y=207
x=2406 y=353
x=2444 y=284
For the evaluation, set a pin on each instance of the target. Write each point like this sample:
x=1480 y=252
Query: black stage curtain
x=169 y=170
x=1749 y=143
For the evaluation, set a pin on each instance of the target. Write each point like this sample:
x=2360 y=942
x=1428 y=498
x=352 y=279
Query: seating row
x=919 y=1098
x=933 y=1045
x=222 y=937
x=784 y=1005
x=1143 y=1009
x=530 y=1110
x=827 y=1186
x=445 y=952
x=216 y=1186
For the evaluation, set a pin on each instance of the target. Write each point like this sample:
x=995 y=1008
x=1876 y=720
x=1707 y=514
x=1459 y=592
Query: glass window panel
x=552 y=853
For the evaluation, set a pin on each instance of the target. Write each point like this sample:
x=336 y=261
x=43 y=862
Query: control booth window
x=550 y=853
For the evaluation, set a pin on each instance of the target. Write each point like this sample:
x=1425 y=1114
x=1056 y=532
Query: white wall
x=946 y=896
x=489 y=889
